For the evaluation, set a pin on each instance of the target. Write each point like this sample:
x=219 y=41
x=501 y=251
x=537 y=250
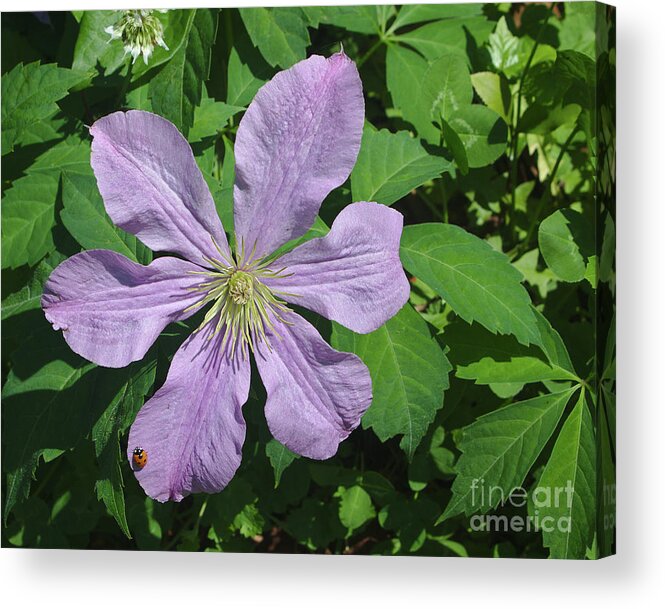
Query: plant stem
x=518 y=112
x=444 y=200
x=369 y=53
x=547 y=194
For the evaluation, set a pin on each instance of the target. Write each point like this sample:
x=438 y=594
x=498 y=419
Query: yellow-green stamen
x=243 y=307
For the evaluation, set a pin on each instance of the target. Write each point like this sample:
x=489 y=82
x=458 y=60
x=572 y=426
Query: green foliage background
x=491 y=128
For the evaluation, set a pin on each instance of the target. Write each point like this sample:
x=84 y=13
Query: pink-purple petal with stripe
x=192 y=429
x=152 y=187
x=111 y=309
x=316 y=395
x=353 y=275
x=297 y=141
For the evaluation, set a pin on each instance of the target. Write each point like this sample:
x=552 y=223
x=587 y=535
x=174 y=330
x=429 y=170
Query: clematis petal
x=353 y=275
x=316 y=395
x=152 y=187
x=192 y=429
x=298 y=140
x=111 y=309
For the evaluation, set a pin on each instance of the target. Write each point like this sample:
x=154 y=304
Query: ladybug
x=139 y=457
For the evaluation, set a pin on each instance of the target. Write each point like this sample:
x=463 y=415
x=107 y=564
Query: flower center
x=243 y=308
x=241 y=287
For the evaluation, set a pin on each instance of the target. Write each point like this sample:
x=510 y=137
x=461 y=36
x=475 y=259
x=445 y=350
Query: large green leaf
x=566 y=491
x=409 y=375
x=439 y=38
x=552 y=344
x=566 y=242
x=361 y=19
x=405 y=76
x=29 y=95
x=94 y=46
x=478 y=282
x=86 y=219
x=482 y=131
x=176 y=89
x=489 y=359
x=517 y=369
x=279 y=33
x=71 y=155
x=499 y=449
x=28 y=215
x=447 y=86
x=247 y=71
x=390 y=165
x=417 y=13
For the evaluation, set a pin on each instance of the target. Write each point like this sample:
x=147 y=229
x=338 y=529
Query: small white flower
x=139 y=31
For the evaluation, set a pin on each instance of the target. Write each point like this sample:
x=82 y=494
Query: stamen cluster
x=244 y=309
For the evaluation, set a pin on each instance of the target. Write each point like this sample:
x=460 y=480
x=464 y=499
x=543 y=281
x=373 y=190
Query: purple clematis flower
x=297 y=141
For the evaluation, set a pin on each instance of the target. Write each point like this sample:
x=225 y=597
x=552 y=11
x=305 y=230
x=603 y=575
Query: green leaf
x=499 y=449
x=409 y=375
x=566 y=243
x=417 y=13
x=247 y=72
x=46 y=405
x=409 y=517
x=28 y=215
x=517 y=369
x=279 y=33
x=541 y=120
x=355 y=508
x=439 y=38
x=29 y=95
x=94 y=46
x=542 y=279
x=86 y=219
x=315 y=523
x=210 y=117
x=390 y=165
x=488 y=359
x=360 y=19
x=138 y=98
x=124 y=392
x=405 y=75
x=176 y=89
x=478 y=282
x=483 y=133
x=447 y=86
x=29 y=296
x=456 y=147
x=280 y=458
x=566 y=491
x=552 y=344
x=71 y=155
x=494 y=90
x=503 y=46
